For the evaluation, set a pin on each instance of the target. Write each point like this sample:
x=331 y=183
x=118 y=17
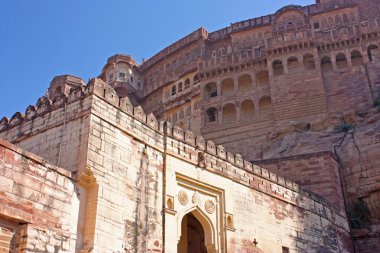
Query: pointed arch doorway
x=192 y=236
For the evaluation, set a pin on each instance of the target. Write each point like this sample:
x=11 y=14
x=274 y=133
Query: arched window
x=356 y=58
x=174 y=118
x=346 y=21
x=196 y=79
x=58 y=91
x=341 y=61
x=228 y=86
x=331 y=22
x=211 y=115
x=229 y=114
x=278 y=68
x=338 y=21
x=174 y=90
x=187 y=83
x=245 y=82
x=308 y=61
x=265 y=106
x=214 y=54
x=373 y=52
x=247 y=110
x=222 y=51
x=292 y=63
x=326 y=64
x=211 y=90
x=262 y=78
x=180 y=87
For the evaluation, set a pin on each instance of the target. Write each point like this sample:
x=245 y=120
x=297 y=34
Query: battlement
x=201 y=33
x=179 y=142
x=244 y=25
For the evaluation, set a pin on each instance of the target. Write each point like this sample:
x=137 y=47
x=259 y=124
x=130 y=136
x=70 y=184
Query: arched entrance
x=192 y=236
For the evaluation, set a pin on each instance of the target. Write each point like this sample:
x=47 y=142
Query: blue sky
x=40 y=39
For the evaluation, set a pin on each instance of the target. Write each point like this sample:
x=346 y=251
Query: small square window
x=285 y=250
x=316 y=25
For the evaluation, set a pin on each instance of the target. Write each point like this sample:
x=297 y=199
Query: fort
x=261 y=137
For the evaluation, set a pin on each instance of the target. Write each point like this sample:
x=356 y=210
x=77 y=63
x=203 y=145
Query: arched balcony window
x=262 y=78
x=228 y=86
x=211 y=115
x=187 y=83
x=229 y=114
x=356 y=58
x=308 y=61
x=278 y=68
x=211 y=90
x=174 y=90
x=247 y=110
x=326 y=64
x=245 y=82
x=341 y=61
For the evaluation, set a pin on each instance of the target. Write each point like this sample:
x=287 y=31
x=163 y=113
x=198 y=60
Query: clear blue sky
x=40 y=39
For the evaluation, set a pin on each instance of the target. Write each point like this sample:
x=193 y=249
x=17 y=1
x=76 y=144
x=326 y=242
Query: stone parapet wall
x=121 y=183
x=317 y=172
x=37 y=202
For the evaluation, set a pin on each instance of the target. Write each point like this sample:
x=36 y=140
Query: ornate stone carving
x=183 y=198
x=195 y=199
x=210 y=206
x=230 y=222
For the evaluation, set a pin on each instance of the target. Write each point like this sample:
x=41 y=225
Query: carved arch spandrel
x=209 y=209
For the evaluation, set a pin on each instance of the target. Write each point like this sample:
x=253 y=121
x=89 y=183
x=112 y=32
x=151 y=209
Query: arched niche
x=245 y=82
x=356 y=58
x=308 y=61
x=247 y=110
x=262 y=78
x=229 y=113
x=228 y=86
x=278 y=68
x=326 y=64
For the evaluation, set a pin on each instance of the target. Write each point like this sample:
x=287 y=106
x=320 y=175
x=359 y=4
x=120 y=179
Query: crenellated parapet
x=181 y=143
x=193 y=149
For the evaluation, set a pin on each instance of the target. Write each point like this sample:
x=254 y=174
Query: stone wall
x=38 y=204
x=133 y=166
x=55 y=130
x=129 y=142
x=126 y=158
x=317 y=172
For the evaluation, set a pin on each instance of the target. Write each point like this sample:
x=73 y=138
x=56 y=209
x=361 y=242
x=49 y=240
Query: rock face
x=353 y=141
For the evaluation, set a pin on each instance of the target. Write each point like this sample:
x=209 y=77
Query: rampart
x=129 y=159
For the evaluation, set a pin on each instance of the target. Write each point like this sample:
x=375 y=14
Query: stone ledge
x=35 y=158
